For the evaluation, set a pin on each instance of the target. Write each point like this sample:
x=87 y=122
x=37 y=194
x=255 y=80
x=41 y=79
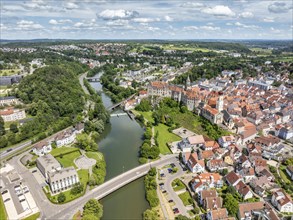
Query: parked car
x=170 y=201
x=22 y=200
x=172 y=165
x=170 y=170
x=162 y=175
x=176 y=211
x=5 y=191
x=6 y=200
x=34 y=171
x=164 y=191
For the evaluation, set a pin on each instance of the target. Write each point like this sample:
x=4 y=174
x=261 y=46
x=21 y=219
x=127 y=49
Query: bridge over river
x=66 y=211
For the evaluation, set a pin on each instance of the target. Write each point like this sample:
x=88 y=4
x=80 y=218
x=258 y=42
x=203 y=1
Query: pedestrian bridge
x=108 y=187
x=118 y=114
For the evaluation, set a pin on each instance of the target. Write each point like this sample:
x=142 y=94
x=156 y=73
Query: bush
x=76 y=189
x=61 y=198
x=142 y=160
x=151 y=196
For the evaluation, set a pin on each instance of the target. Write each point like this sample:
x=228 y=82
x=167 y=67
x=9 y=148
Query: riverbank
x=120 y=143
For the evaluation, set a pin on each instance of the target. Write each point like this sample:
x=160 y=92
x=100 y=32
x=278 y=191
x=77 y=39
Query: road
x=66 y=211
x=14 y=149
x=82 y=84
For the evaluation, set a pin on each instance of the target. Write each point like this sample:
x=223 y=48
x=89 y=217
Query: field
x=33 y=217
x=165 y=137
x=66 y=155
x=63 y=150
x=261 y=51
x=3 y=215
x=146 y=115
x=95 y=155
x=186 y=198
x=9 y=72
x=67 y=159
x=181 y=47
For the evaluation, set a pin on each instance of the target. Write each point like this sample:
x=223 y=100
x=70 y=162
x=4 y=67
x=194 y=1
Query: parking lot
x=16 y=196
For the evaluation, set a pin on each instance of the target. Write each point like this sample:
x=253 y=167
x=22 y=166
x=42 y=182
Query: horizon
x=141 y=20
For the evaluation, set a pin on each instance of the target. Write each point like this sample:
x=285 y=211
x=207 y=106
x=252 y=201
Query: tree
x=90 y=217
x=3 y=142
x=181 y=217
x=13 y=128
x=85 y=142
x=76 y=189
x=93 y=207
x=2 y=128
x=150 y=214
x=231 y=204
x=61 y=198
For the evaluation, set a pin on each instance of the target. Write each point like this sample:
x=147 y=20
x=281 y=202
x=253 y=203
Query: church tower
x=188 y=83
x=220 y=103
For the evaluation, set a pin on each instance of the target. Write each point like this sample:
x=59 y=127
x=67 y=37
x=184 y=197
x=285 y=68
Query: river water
x=120 y=144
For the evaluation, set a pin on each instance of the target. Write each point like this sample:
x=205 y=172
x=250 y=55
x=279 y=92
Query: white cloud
x=62 y=21
x=145 y=20
x=280 y=7
x=117 y=14
x=168 y=18
x=70 y=5
x=268 y=19
x=209 y=28
x=190 y=28
x=219 y=10
x=192 y=5
x=118 y=23
x=205 y=27
x=28 y=25
x=277 y=31
x=246 y=14
x=246 y=26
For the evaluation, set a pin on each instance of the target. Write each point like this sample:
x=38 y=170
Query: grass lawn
x=146 y=115
x=186 y=198
x=63 y=150
x=33 y=217
x=283 y=174
x=95 y=155
x=66 y=160
x=189 y=121
x=165 y=137
x=9 y=72
x=178 y=185
x=3 y=215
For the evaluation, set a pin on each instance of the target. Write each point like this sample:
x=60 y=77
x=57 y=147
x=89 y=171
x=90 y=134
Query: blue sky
x=146 y=19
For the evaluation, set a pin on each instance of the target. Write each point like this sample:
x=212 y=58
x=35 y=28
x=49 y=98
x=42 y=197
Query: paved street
x=66 y=211
x=14 y=149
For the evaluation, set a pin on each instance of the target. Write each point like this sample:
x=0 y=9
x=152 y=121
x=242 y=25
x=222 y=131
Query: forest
x=53 y=99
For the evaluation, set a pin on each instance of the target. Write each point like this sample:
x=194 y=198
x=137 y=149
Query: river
x=120 y=144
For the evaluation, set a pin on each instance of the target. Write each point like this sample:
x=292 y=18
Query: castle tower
x=220 y=103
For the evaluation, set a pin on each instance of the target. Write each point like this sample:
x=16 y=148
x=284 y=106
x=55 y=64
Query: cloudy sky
x=146 y=19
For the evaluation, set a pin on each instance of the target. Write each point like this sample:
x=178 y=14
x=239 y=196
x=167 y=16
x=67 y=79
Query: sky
x=146 y=19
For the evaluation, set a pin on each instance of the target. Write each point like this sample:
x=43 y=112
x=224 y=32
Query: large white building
x=63 y=179
x=12 y=114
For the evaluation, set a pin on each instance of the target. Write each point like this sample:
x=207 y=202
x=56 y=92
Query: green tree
x=61 y=198
x=2 y=128
x=231 y=204
x=181 y=217
x=93 y=207
x=85 y=142
x=90 y=217
x=3 y=142
x=13 y=127
x=150 y=214
x=76 y=189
